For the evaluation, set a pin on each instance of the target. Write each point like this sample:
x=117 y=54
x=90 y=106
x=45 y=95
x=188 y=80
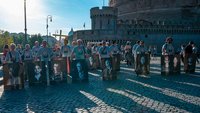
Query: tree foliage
x=33 y=38
x=18 y=38
x=5 y=38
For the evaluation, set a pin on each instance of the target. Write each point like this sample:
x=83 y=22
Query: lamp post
x=25 y=27
x=49 y=17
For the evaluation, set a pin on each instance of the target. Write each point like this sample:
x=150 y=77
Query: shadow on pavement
x=128 y=94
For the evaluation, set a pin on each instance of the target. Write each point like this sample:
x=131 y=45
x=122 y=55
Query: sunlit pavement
x=130 y=93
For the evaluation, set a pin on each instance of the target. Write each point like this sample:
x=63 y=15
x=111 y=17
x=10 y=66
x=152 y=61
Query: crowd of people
x=93 y=52
x=102 y=49
x=95 y=55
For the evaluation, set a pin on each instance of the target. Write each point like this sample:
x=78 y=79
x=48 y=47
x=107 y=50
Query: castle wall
x=153 y=36
x=155 y=10
x=148 y=20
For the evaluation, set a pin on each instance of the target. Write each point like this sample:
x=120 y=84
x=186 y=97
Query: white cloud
x=12 y=15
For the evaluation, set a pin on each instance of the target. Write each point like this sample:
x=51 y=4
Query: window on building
x=108 y=21
x=94 y=24
x=146 y=36
x=100 y=24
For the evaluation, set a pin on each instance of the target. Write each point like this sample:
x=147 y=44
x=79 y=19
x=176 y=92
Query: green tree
x=18 y=38
x=33 y=38
x=5 y=38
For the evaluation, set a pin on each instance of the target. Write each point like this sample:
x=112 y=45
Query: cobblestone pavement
x=128 y=94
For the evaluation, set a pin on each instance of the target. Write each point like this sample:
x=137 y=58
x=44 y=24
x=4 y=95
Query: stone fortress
x=170 y=12
x=148 y=20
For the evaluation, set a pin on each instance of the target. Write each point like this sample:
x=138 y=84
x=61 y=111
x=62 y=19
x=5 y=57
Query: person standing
x=95 y=57
x=56 y=51
x=135 y=47
x=79 y=52
x=79 y=63
x=104 y=54
x=189 y=64
x=74 y=44
x=28 y=56
x=66 y=49
x=13 y=57
x=154 y=52
x=5 y=51
x=89 y=53
x=141 y=48
x=19 y=49
x=115 y=54
x=3 y=62
x=167 y=59
x=182 y=52
x=167 y=48
x=128 y=54
x=142 y=60
x=45 y=54
x=35 y=50
x=66 y=52
x=28 y=64
x=195 y=51
x=114 y=49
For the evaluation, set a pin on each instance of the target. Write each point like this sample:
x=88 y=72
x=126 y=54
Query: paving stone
x=129 y=94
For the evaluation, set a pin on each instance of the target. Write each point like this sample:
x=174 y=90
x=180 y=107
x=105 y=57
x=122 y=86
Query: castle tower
x=105 y=18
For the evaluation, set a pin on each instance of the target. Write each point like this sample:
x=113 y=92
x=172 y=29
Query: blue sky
x=66 y=14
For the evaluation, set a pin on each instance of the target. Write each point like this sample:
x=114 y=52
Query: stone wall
x=105 y=18
x=150 y=38
x=153 y=10
x=152 y=35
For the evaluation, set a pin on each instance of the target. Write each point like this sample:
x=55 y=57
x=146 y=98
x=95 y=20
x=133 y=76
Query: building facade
x=151 y=21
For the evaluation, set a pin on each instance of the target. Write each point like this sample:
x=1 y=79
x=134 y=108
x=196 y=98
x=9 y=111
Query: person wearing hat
x=167 y=48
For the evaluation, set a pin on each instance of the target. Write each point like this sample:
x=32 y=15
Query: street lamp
x=49 y=17
x=25 y=27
